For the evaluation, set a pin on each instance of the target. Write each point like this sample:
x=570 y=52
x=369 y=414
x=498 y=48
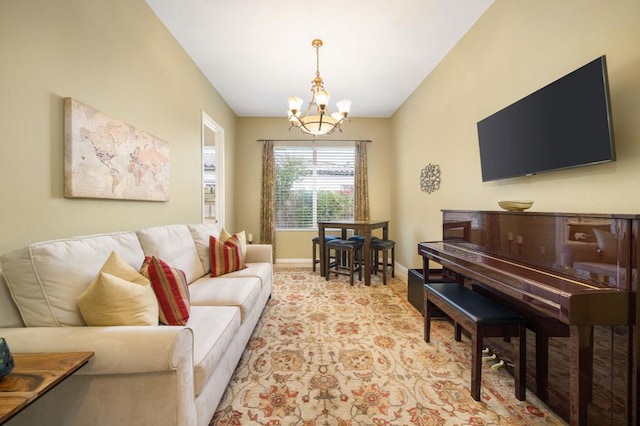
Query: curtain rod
x=313 y=140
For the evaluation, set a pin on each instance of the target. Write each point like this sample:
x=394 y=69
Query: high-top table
x=34 y=375
x=360 y=227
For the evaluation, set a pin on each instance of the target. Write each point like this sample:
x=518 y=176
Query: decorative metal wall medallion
x=430 y=178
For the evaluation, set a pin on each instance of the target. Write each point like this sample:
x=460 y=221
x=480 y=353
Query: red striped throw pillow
x=170 y=286
x=225 y=256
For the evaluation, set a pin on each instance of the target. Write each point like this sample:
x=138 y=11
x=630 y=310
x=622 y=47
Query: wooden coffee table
x=33 y=376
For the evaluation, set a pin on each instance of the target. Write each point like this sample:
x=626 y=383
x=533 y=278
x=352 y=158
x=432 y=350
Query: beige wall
x=297 y=244
x=516 y=47
x=117 y=57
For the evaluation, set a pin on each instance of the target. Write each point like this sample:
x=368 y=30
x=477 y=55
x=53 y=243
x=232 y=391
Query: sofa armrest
x=118 y=350
x=259 y=253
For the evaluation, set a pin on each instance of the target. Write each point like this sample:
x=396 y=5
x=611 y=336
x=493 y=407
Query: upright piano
x=574 y=276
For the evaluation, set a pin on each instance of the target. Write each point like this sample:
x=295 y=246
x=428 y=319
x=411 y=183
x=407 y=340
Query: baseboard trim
x=401 y=271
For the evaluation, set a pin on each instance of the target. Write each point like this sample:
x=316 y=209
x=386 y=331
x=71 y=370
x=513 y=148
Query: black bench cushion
x=475 y=306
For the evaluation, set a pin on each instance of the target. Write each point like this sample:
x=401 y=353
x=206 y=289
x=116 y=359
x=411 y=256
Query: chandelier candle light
x=318 y=122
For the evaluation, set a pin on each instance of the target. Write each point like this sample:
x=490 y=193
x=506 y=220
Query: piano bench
x=481 y=317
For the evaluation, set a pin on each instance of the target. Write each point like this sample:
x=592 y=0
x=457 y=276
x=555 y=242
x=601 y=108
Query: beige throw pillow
x=116 y=265
x=119 y=295
x=111 y=300
x=225 y=235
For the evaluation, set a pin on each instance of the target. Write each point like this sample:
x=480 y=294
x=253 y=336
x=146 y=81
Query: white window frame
x=313 y=180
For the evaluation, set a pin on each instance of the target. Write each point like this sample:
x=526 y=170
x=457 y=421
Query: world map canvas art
x=106 y=158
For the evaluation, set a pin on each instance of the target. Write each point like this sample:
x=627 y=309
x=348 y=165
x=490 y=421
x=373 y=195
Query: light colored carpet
x=326 y=353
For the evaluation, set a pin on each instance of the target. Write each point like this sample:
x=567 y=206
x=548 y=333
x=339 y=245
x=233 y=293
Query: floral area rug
x=326 y=353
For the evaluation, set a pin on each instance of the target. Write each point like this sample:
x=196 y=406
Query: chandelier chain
x=317 y=60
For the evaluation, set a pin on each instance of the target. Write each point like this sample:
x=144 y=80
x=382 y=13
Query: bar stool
x=353 y=251
x=360 y=238
x=377 y=246
x=315 y=241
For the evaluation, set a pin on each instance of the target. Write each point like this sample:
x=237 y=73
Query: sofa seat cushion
x=214 y=328
x=258 y=270
x=225 y=291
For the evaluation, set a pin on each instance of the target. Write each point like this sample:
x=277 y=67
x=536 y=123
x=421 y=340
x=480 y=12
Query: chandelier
x=317 y=120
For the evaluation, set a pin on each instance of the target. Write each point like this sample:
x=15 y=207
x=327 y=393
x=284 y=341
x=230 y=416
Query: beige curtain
x=361 y=194
x=268 y=198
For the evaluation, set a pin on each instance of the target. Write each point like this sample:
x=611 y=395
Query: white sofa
x=140 y=375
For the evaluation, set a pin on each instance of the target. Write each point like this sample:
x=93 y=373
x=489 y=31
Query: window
x=313 y=183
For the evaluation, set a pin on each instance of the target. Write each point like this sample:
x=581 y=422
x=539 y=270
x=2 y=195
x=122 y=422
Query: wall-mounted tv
x=565 y=124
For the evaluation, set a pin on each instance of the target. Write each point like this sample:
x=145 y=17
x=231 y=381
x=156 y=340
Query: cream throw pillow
x=119 y=295
x=116 y=265
x=225 y=235
x=110 y=301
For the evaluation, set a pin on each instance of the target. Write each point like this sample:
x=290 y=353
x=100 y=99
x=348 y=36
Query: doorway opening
x=212 y=172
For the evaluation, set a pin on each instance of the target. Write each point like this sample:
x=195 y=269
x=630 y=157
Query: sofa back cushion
x=200 y=232
x=174 y=245
x=46 y=278
x=9 y=314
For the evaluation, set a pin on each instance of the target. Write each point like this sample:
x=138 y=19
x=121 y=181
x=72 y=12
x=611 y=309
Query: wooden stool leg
x=385 y=260
x=351 y=267
x=374 y=261
x=327 y=251
x=393 y=262
x=313 y=258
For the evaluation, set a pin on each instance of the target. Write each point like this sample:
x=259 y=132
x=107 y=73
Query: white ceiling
x=256 y=53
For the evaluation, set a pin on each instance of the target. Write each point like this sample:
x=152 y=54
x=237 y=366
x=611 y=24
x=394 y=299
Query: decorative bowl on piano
x=516 y=206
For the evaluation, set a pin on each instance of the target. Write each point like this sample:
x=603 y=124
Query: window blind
x=313 y=183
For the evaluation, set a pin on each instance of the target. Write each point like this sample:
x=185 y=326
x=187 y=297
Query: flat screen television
x=565 y=124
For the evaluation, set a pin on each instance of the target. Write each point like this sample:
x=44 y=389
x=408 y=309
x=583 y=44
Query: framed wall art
x=106 y=158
